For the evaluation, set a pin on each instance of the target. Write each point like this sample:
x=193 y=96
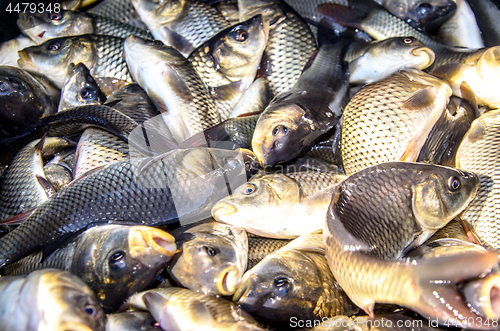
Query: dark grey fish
x=115 y=261
x=134 y=102
x=42 y=26
x=80 y=89
x=24 y=100
x=24 y=186
x=296 y=119
x=489 y=14
x=290 y=44
x=294 y=282
x=141 y=191
x=120 y=10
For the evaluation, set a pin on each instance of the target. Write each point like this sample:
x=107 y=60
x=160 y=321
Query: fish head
x=254 y=204
x=67 y=303
x=219 y=252
x=53 y=57
x=43 y=26
x=130 y=321
x=120 y=260
x=440 y=194
x=80 y=88
x=237 y=51
x=280 y=286
x=484 y=295
x=408 y=52
x=156 y=13
x=236 y=161
x=276 y=138
x=488 y=66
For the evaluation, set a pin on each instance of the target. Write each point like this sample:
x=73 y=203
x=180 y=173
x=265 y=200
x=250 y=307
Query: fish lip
x=489 y=290
x=160 y=241
x=225 y=284
x=258 y=150
x=24 y=59
x=424 y=50
x=222 y=208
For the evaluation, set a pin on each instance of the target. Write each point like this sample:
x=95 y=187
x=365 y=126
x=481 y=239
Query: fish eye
x=158 y=42
x=280 y=282
x=3 y=86
x=248 y=189
x=240 y=35
x=408 y=40
x=210 y=251
x=55 y=16
x=91 y=310
x=117 y=261
x=54 y=46
x=453 y=183
x=86 y=93
x=423 y=10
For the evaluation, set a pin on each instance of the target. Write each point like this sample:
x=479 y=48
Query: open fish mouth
x=222 y=209
x=229 y=281
x=419 y=51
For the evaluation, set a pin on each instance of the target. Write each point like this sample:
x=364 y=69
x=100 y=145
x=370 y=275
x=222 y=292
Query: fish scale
x=120 y=10
x=477 y=153
x=110 y=62
x=110 y=27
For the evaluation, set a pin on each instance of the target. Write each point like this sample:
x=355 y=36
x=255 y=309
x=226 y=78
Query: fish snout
x=229 y=280
x=222 y=209
x=152 y=242
x=244 y=290
x=424 y=52
x=484 y=295
x=259 y=152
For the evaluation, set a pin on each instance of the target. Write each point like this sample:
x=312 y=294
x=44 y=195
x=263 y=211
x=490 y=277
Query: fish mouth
x=26 y=21
x=484 y=295
x=420 y=51
x=229 y=281
x=145 y=240
x=222 y=209
x=258 y=150
x=24 y=60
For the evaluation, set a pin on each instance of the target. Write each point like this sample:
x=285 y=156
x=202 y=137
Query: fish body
x=80 y=89
x=49 y=299
x=275 y=206
x=119 y=10
x=130 y=321
x=254 y=100
x=476 y=154
x=184 y=25
x=294 y=281
x=59 y=175
x=220 y=253
x=490 y=14
x=389 y=120
x=296 y=119
x=290 y=44
x=378 y=59
x=173 y=85
x=115 y=261
x=142 y=191
x=420 y=198
x=260 y=247
x=24 y=186
x=181 y=309
x=41 y=27
x=101 y=54
x=228 y=62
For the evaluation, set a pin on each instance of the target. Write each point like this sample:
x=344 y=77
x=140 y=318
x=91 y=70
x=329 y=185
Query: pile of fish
x=251 y=165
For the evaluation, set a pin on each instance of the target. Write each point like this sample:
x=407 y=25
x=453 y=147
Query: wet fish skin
x=49 y=299
x=411 y=102
x=220 y=253
x=260 y=247
x=58 y=175
x=9 y=49
x=410 y=283
x=487 y=287
x=70 y=122
x=445 y=137
x=123 y=188
x=130 y=321
x=295 y=281
x=378 y=59
x=120 y=10
x=420 y=198
x=115 y=261
x=23 y=186
x=423 y=15
x=290 y=44
x=101 y=54
x=275 y=206
x=173 y=85
x=254 y=100
x=80 y=89
x=476 y=154
x=41 y=27
x=24 y=100
x=134 y=102
x=184 y=25
x=182 y=309
x=490 y=15
x=296 y=119
x=228 y=62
